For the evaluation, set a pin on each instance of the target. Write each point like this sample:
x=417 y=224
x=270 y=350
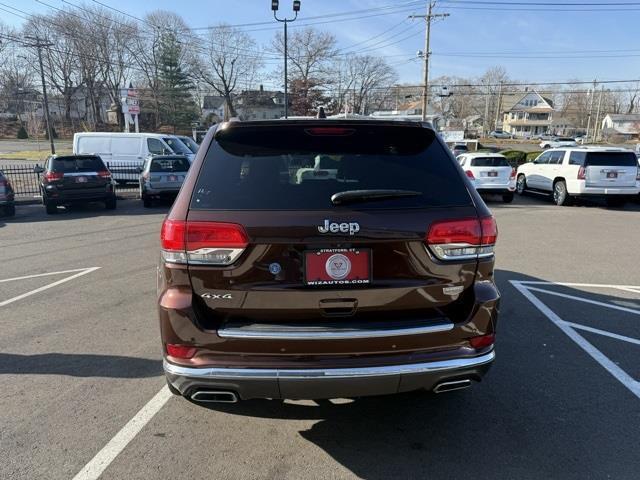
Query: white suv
x=558 y=142
x=611 y=173
x=490 y=173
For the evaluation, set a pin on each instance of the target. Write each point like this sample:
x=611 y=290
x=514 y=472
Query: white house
x=530 y=114
x=620 y=124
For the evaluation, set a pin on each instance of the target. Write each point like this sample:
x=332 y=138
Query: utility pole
x=485 y=120
x=593 y=94
x=39 y=45
x=427 y=53
x=498 y=107
x=596 y=126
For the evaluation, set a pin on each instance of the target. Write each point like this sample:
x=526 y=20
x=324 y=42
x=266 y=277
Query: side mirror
x=38 y=169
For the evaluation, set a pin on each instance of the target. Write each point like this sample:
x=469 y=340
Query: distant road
x=10 y=146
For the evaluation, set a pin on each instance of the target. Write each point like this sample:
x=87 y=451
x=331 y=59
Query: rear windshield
x=612 y=159
x=190 y=143
x=77 y=164
x=169 y=165
x=177 y=146
x=489 y=162
x=604 y=159
x=299 y=167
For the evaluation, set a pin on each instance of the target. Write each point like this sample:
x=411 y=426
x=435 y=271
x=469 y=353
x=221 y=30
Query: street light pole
x=296 y=9
x=39 y=45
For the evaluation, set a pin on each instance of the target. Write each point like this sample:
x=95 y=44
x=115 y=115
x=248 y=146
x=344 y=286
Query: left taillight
x=204 y=243
x=53 y=176
x=463 y=239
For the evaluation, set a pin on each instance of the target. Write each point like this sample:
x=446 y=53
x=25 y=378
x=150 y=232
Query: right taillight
x=470 y=174
x=463 y=239
x=205 y=243
x=581 y=173
x=512 y=175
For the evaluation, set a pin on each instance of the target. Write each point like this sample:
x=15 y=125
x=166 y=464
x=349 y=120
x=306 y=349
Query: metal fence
x=26 y=182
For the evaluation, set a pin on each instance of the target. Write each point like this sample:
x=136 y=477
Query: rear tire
x=50 y=207
x=10 y=210
x=615 y=202
x=111 y=204
x=146 y=201
x=560 y=195
x=507 y=197
x=521 y=184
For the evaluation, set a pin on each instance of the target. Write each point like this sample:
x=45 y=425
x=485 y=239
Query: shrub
x=515 y=157
x=531 y=156
x=22 y=133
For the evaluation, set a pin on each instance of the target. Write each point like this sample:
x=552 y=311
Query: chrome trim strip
x=335 y=334
x=214 y=373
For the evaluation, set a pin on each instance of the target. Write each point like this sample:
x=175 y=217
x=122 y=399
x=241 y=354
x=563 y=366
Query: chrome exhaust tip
x=452 y=385
x=214 y=396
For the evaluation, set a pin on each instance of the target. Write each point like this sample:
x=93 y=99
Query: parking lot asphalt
x=81 y=373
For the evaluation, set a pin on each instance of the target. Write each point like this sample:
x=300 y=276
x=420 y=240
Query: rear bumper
x=498 y=189
x=603 y=191
x=161 y=191
x=579 y=188
x=312 y=383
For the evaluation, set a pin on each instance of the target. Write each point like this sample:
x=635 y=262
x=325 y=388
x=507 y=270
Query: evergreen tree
x=177 y=107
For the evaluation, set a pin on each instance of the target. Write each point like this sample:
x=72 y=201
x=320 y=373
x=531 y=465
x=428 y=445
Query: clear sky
x=533 y=42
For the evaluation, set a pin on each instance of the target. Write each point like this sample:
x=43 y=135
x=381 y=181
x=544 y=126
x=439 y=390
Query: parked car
x=161 y=177
x=7 y=196
x=500 y=134
x=544 y=136
x=124 y=153
x=72 y=179
x=190 y=143
x=459 y=149
x=178 y=147
x=568 y=173
x=379 y=280
x=490 y=173
x=558 y=142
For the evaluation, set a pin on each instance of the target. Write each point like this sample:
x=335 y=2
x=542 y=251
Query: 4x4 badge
x=216 y=296
x=333 y=227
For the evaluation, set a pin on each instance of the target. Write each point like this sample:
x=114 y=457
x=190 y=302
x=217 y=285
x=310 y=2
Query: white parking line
x=81 y=272
x=117 y=444
x=604 y=333
x=597 y=355
x=585 y=300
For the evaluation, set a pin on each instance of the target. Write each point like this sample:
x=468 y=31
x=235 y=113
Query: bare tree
x=491 y=81
x=60 y=58
x=227 y=56
x=310 y=53
x=110 y=36
x=364 y=75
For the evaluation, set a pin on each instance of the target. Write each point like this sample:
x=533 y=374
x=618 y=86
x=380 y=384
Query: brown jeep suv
x=323 y=258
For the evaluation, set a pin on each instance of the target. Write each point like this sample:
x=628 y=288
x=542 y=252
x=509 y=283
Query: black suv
x=76 y=179
x=326 y=258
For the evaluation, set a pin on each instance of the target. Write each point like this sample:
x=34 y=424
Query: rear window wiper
x=349 y=196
